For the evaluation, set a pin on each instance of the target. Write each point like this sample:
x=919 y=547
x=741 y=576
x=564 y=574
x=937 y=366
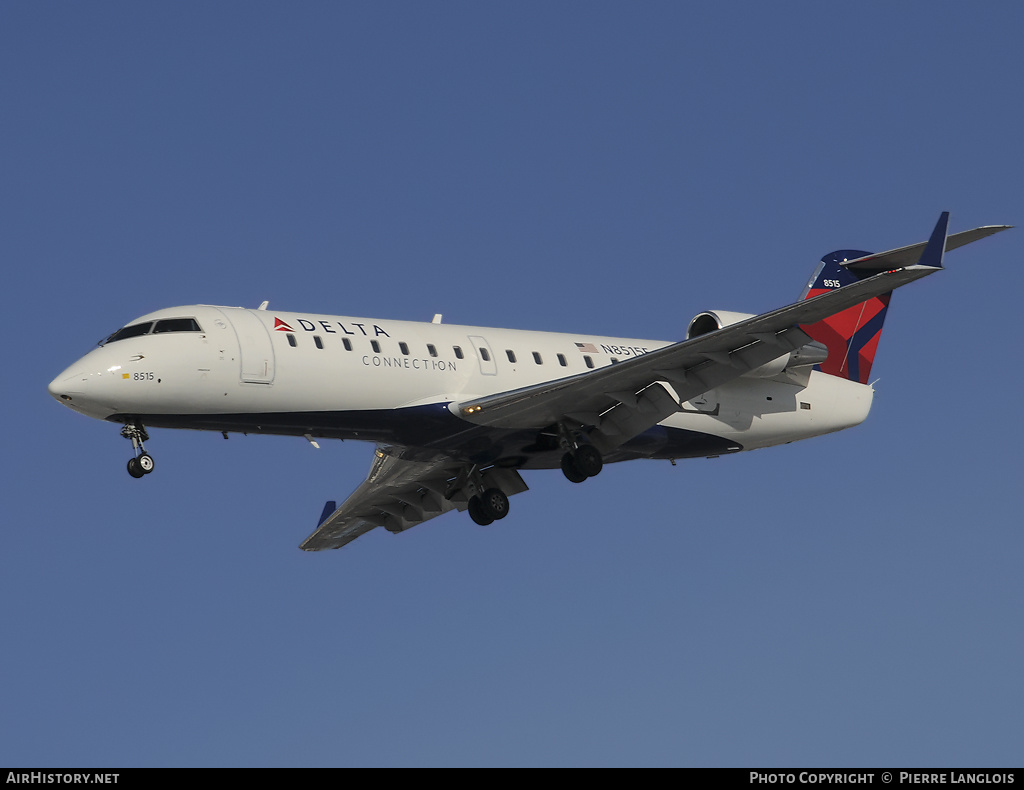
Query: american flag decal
x=587 y=348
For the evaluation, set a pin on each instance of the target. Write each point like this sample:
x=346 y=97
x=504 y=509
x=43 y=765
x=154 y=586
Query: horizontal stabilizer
x=908 y=256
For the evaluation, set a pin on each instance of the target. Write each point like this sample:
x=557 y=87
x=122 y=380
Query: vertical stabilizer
x=852 y=336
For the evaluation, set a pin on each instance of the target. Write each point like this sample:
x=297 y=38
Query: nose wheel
x=142 y=464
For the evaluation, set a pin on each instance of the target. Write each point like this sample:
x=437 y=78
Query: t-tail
x=852 y=335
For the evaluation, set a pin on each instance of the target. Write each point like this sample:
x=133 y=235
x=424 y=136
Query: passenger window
x=484 y=355
x=404 y=348
x=561 y=360
x=511 y=355
x=347 y=343
x=537 y=359
x=291 y=340
x=458 y=352
x=375 y=346
x=589 y=361
x=431 y=350
x=319 y=342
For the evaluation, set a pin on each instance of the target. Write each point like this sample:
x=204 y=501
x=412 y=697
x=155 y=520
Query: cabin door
x=257 y=364
x=484 y=355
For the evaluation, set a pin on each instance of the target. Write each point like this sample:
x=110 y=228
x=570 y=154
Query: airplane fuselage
x=257 y=371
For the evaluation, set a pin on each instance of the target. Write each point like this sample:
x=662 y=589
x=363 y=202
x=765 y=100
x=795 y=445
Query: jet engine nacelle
x=712 y=320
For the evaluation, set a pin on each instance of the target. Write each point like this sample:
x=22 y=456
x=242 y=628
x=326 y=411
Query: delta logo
x=328 y=327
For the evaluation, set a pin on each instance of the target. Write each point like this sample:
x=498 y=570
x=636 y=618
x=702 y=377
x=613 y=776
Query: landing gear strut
x=142 y=463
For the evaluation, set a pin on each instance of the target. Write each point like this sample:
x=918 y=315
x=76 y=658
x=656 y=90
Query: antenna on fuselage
x=263 y=305
x=436 y=319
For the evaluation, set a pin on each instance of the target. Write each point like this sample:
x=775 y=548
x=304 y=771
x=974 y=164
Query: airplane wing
x=399 y=494
x=623 y=400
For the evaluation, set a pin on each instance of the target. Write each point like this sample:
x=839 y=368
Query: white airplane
x=457 y=412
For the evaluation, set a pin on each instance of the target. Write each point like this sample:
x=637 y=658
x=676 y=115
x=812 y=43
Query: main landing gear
x=583 y=462
x=487 y=503
x=142 y=463
x=580 y=460
x=488 y=507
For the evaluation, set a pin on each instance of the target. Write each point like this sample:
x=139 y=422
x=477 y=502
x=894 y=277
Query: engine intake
x=712 y=320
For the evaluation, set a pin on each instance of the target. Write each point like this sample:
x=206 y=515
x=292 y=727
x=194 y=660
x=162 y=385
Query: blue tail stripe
x=860 y=339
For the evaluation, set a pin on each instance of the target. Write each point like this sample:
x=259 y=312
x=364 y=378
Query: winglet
x=931 y=258
x=329 y=509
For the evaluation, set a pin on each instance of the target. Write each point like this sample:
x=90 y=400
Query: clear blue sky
x=609 y=168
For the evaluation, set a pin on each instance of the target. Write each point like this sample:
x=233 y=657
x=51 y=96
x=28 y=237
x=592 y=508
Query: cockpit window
x=176 y=325
x=157 y=328
x=134 y=330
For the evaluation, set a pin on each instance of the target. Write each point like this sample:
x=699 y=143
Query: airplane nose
x=81 y=388
x=57 y=390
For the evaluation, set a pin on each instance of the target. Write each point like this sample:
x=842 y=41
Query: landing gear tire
x=477 y=514
x=570 y=470
x=134 y=468
x=588 y=460
x=146 y=463
x=494 y=504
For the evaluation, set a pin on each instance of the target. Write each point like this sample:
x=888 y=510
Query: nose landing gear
x=142 y=463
